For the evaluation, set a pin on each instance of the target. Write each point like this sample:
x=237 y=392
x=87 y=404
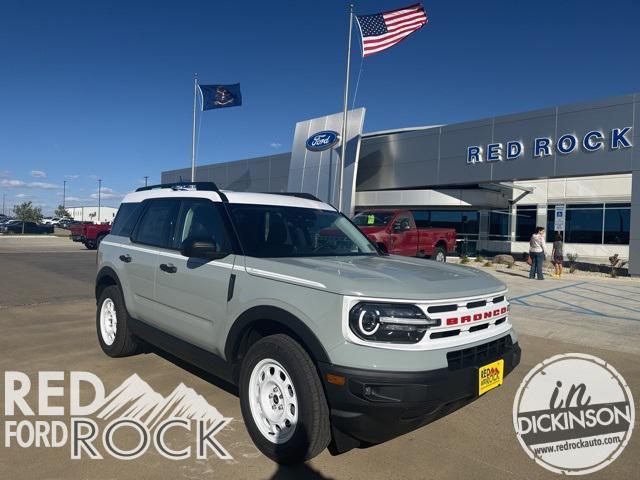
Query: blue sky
x=104 y=89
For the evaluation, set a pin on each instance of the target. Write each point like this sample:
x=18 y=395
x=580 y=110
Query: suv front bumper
x=374 y=406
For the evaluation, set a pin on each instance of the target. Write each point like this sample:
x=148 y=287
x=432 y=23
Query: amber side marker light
x=336 y=379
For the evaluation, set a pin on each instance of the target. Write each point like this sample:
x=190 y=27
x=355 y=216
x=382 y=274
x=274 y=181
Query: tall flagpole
x=345 y=112
x=193 y=135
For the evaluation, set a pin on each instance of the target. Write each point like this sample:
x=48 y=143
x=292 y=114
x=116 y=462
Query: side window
x=422 y=218
x=402 y=223
x=201 y=219
x=158 y=223
x=126 y=219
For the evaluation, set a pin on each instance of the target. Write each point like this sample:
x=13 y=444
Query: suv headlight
x=389 y=322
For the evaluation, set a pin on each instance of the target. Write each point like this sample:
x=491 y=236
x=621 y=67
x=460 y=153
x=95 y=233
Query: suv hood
x=378 y=276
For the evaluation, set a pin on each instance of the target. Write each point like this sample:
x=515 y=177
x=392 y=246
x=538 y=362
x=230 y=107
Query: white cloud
x=94 y=177
x=20 y=184
x=107 y=193
x=73 y=199
x=12 y=183
x=38 y=174
x=72 y=177
x=275 y=145
x=4 y=173
x=44 y=185
x=23 y=195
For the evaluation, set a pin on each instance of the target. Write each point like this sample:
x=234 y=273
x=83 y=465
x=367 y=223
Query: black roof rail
x=306 y=196
x=210 y=186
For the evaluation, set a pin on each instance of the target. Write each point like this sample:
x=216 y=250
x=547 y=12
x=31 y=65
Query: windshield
x=372 y=219
x=276 y=231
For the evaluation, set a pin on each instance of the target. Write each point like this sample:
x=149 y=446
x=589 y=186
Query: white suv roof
x=232 y=197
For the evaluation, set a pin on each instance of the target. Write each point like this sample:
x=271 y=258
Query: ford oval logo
x=322 y=140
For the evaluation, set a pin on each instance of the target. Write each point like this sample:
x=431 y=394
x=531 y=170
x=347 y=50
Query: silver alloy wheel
x=440 y=256
x=108 y=321
x=273 y=401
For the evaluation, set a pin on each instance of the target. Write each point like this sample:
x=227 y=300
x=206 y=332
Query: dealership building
x=571 y=168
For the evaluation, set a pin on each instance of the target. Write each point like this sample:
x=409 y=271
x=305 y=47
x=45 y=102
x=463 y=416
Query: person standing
x=536 y=251
x=557 y=254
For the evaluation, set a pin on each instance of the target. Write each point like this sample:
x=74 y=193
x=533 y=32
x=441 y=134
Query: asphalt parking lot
x=47 y=319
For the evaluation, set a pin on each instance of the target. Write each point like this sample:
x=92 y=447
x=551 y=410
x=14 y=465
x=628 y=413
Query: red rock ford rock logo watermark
x=133 y=408
x=573 y=414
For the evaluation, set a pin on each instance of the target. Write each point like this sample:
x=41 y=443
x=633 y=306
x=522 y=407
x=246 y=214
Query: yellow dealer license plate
x=490 y=376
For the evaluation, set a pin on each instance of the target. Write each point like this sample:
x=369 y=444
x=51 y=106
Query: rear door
x=153 y=232
x=191 y=293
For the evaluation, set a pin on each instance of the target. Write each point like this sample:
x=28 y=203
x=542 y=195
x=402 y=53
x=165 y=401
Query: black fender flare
x=277 y=315
x=107 y=272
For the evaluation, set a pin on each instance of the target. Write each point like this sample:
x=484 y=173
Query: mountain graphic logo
x=133 y=408
x=135 y=399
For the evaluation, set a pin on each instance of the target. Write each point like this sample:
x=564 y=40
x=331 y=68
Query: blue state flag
x=220 y=96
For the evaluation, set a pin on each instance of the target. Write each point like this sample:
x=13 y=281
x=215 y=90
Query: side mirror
x=205 y=249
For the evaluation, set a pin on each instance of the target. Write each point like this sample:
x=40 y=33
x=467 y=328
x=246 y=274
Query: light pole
x=64 y=194
x=99 y=191
x=146 y=178
x=4 y=195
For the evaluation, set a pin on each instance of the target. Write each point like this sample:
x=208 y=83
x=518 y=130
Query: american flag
x=384 y=30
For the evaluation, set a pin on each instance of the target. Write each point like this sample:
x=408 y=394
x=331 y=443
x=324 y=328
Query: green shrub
x=464 y=259
x=479 y=259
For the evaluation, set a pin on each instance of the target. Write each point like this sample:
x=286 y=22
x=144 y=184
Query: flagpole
x=345 y=111
x=193 y=133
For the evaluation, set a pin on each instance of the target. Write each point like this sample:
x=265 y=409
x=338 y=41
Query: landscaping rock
x=503 y=259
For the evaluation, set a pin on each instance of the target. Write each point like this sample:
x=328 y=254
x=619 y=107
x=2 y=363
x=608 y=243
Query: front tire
x=282 y=401
x=112 y=323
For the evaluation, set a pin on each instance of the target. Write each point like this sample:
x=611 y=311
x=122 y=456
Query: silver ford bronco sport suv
x=330 y=342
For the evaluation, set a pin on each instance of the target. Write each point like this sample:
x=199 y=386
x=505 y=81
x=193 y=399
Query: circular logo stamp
x=573 y=414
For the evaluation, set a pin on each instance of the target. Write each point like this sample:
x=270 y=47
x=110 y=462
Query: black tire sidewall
x=297 y=448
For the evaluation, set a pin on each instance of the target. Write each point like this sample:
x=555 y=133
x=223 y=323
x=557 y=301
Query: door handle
x=125 y=258
x=168 y=267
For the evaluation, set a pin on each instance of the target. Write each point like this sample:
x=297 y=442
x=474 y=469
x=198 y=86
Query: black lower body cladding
x=374 y=406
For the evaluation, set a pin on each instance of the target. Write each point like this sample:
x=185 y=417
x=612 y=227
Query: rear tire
x=283 y=402
x=439 y=255
x=112 y=324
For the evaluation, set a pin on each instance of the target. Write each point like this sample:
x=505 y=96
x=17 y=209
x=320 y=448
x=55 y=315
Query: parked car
x=330 y=342
x=18 y=226
x=68 y=222
x=89 y=234
x=51 y=221
x=396 y=232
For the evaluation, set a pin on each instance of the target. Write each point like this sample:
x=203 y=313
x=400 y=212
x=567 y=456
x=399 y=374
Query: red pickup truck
x=396 y=231
x=89 y=234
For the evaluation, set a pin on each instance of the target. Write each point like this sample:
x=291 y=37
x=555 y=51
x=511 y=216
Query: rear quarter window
x=126 y=219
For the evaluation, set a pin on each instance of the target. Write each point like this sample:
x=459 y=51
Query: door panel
x=192 y=300
x=403 y=241
x=153 y=232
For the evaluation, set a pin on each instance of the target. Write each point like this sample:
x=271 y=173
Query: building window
x=526 y=218
x=617 y=218
x=464 y=221
x=594 y=223
x=499 y=225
